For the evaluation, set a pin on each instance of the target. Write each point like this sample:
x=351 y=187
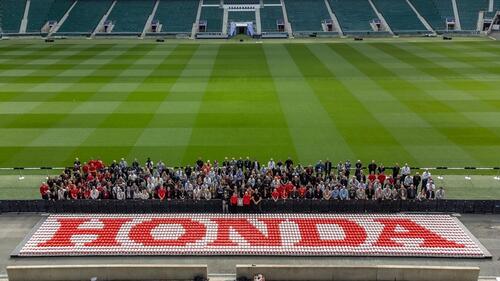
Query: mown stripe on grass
x=51 y=120
x=168 y=134
x=393 y=114
x=237 y=79
x=51 y=90
x=11 y=91
x=162 y=134
x=459 y=130
x=313 y=131
x=464 y=64
x=121 y=136
x=48 y=120
x=476 y=92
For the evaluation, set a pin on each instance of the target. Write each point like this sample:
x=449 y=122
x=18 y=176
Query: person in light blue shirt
x=343 y=193
x=335 y=193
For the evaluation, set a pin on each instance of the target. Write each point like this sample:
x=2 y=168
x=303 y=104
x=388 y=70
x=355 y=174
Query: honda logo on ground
x=273 y=234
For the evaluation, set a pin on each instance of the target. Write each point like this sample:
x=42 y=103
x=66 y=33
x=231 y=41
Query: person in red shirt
x=44 y=191
x=390 y=179
x=372 y=177
x=73 y=191
x=381 y=178
x=288 y=187
x=105 y=193
x=161 y=193
x=92 y=169
x=302 y=192
x=99 y=165
x=275 y=195
x=233 y=202
x=246 y=200
x=85 y=168
x=86 y=193
x=280 y=189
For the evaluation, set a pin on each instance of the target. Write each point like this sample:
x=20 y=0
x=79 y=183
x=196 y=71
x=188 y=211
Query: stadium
x=232 y=140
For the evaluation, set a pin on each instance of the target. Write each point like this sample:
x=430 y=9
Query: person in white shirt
x=430 y=186
x=144 y=194
x=94 y=194
x=60 y=194
x=120 y=194
x=271 y=165
x=405 y=172
x=425 y=178
x=206 y=193
x=197 y=193
x=440 y=193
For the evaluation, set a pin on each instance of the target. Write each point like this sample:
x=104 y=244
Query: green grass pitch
x=425 y=103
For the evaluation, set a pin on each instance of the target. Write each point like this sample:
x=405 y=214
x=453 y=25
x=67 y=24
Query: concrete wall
x=360 y=273
x=105 y=272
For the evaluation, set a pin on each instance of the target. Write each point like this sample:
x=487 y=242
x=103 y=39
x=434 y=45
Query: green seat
x=399 y=16
x=213 y=17
x=177 y=15
x=85 y=16
x=130 y=16
x=269 y=16
x=306 y=15
x=353 y=15
x=11 y=13
x=37 y=15
x=435 y=12
x=241 y=16
x=468 y=10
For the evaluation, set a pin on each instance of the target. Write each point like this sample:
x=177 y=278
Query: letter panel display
x=406 y=235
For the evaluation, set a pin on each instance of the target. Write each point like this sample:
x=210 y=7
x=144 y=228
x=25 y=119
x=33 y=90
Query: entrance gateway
x=246 y=28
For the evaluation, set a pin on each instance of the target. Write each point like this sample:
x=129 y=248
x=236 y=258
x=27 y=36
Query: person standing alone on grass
x=440 y=193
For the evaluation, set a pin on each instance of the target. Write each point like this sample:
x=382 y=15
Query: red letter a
x=412 y=231
x=106 y=236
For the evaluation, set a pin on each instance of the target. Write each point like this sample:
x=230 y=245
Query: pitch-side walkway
x=486 y=228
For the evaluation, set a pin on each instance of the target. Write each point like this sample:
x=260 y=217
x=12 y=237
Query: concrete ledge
x=105 y=272
x=360 y=273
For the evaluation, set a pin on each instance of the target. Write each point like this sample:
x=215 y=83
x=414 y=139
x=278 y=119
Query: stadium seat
x=399 y=16
x=468 y=11
x=130 y=16
x=12 y=12
x=213 y=17
x=177 y=15
x=306 y=15
x=84 y=17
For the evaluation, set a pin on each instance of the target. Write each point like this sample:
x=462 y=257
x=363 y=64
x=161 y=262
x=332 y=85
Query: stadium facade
x=259 y=18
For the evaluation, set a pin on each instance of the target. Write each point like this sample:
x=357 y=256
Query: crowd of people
x=239 y=182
